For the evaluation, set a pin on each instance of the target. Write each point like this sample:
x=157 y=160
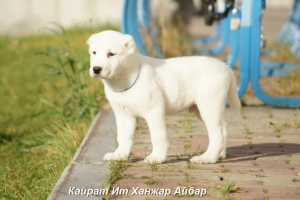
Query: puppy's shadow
x=173 y=159
x=170 y=159
x=247 y=152
x=250 y=152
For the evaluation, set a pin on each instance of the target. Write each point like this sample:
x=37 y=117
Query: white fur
x=164 y=86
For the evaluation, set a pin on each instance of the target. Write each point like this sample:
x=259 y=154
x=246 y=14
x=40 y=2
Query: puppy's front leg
x=125 y=127
x=159 y=139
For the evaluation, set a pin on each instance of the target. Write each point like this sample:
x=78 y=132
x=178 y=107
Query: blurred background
x=29 y=16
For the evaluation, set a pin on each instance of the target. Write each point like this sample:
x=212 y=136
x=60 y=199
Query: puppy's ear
x=129 y=43
x=89 y=41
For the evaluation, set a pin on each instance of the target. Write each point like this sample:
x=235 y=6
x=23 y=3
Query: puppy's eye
x=110 y=54
x=94 y=52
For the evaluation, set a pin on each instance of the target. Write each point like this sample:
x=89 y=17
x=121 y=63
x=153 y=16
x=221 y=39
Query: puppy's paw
x=223 y=155
x=154 y=159
x=202 y=160
x=114 y=156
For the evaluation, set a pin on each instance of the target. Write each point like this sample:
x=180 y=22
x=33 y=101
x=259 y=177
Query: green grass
x=116 y=168
x=48 y=102
x=153 y=167
x=225 y=191
x=152 y=181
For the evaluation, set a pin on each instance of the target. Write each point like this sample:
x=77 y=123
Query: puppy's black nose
x=97 y=70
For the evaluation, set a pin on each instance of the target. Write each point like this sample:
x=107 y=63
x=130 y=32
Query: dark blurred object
x=186 y=10
x=210 y=11
x=206 y=8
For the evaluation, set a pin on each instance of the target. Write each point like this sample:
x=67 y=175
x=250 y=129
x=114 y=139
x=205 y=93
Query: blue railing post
x=245 y=48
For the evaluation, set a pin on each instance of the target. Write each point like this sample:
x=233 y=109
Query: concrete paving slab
x=87 y=171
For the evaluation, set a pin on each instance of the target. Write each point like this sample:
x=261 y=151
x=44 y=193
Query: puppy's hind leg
x=212 y=114
x=225 y=136
x=196 y=111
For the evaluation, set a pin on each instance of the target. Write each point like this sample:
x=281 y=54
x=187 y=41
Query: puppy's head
x=109 y=51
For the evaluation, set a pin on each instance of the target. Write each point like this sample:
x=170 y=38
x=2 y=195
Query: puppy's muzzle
x=97 y=70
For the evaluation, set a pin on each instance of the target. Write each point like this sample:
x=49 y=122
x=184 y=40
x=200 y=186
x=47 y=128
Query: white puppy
x=140 y=86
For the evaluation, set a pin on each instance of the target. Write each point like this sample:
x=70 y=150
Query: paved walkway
x=263 y=157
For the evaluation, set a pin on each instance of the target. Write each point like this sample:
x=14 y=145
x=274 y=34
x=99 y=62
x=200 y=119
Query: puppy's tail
x=233 y=98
